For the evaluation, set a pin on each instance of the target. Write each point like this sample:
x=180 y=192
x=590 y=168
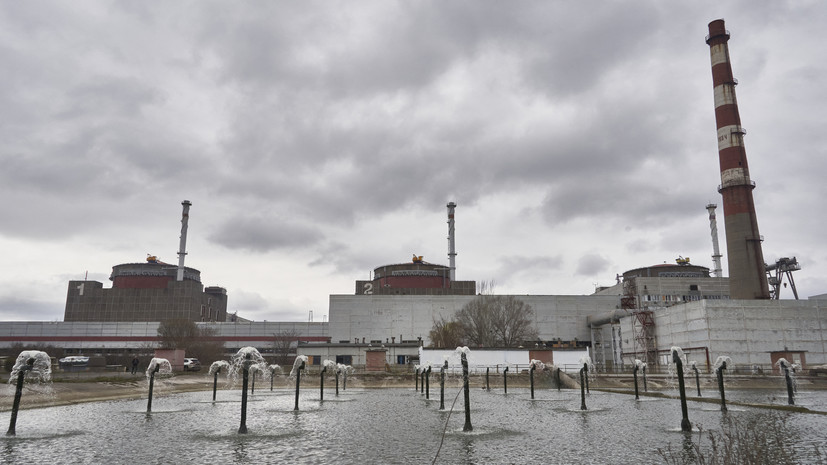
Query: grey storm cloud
x=591 y=265
x=263 y=234
x=342 y=117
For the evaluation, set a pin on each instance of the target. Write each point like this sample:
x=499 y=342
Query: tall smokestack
x=182 y=247
x=716 y=252
x=452 y=252
x=747 y=277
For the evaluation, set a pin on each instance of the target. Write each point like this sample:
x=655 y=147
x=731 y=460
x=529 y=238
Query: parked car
x=192 y=364
x=74 y=360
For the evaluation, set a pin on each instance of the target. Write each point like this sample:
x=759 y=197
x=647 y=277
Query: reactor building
x=150 y=291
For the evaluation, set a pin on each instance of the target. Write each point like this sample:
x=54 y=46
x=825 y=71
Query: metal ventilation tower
x=452 y=252
x=716 y=251
x=747 y=279
x=182 y=247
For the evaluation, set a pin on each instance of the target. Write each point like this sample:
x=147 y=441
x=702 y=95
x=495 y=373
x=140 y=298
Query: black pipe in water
x=428 y=382
x=582 y=389
x=505 y=381
x=467 y=395
x=151 y=385
x=685 y=424
x=245 y=378
x=697 y=380
x=298 y=381
x=790 y=392
x=531 y=379
x=720 y=373
x=321 y=384
x=18 y=393
x=442 y=386
x=215 y=383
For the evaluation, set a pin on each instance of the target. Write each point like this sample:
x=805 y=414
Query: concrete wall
x=745 y=330
x=410 y=317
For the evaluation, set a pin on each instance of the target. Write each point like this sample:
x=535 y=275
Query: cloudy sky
x=318 y=140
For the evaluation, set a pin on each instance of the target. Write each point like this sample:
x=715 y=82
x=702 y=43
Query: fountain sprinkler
x=298 y=366
x=533 y=366
x=321 y=384
x=18 y=393
x=697 y=377
x=245 y=377
x=634 y=372
x=151 y=386
x=505 y=380
x=442 y=385
x=466 y=389
x=582 y=388
x=416 y=379
x=215 y=369
x=337 y=381
x=487 y=384
x=720 y=366
x=422 y=381
x=676 y=359
x=428 y=382
x=33 y=365
x=790 y=392
x=586 y=361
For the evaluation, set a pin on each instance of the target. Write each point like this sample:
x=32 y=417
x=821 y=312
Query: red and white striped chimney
x=747 y=276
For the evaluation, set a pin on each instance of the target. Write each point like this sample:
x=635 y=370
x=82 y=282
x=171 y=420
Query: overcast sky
x=319 y=140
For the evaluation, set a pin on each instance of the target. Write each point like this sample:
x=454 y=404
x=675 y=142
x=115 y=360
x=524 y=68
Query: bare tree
x=496 y=321
x=283 y=343
x=446 y=334
x=201 y=343
x=177 y=334
x=475 y=319
x=513 y=321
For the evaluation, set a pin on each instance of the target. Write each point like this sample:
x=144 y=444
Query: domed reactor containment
x=417 y=277
x=151 y=291
x=146 y=292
